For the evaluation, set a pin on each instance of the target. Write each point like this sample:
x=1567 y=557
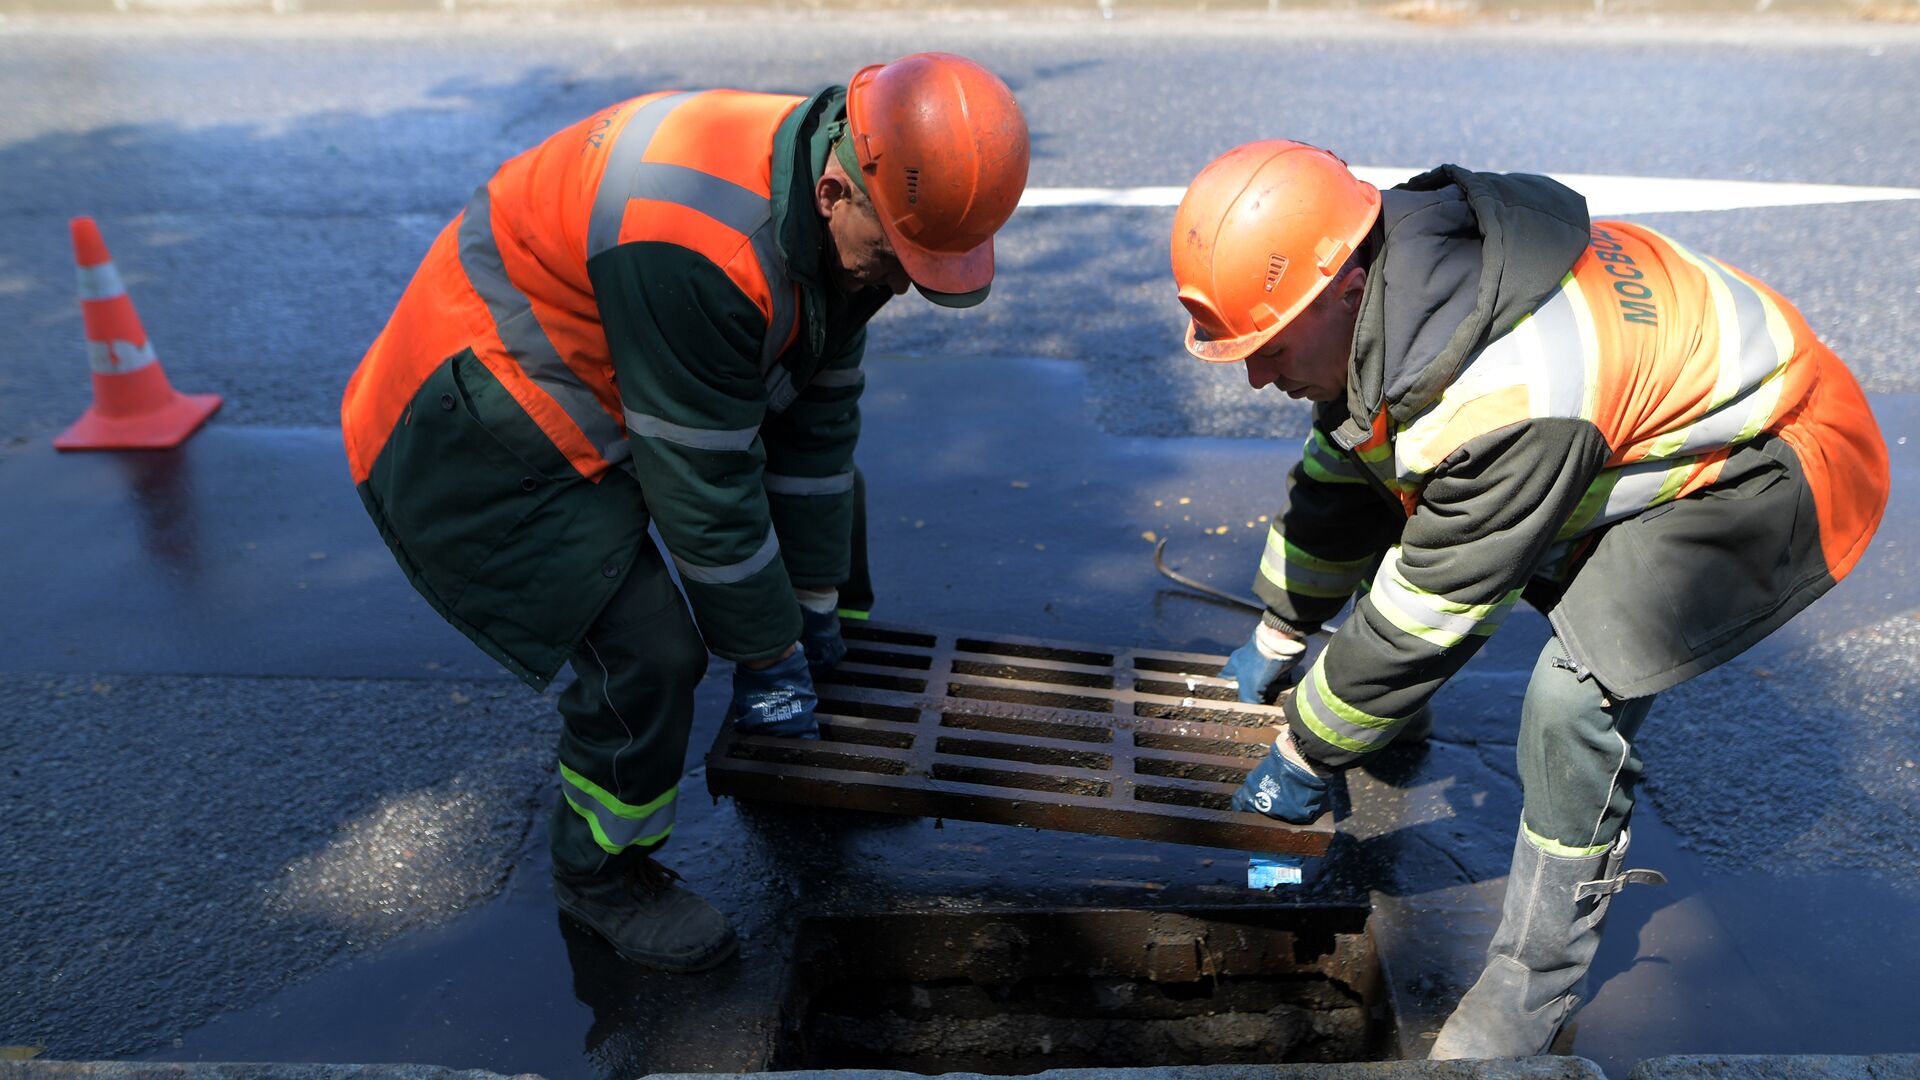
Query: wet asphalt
x=261 y=805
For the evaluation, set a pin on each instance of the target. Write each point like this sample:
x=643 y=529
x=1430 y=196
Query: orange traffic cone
x=134 y=407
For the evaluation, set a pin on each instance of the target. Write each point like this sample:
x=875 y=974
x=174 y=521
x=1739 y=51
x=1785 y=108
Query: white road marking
x=1607 y=196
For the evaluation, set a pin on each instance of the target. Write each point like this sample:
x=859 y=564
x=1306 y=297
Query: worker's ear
x=1351 y=287
x=830 y=190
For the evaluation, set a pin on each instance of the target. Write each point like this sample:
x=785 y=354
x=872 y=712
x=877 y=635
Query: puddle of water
x=1760 y=963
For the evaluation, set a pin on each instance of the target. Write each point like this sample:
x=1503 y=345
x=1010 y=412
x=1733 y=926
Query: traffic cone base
x=156 y=429
x=134 y=407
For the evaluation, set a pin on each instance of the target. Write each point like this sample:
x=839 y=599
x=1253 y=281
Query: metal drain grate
x=1019 y=731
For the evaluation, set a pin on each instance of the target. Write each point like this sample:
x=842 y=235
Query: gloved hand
x=1260 y=664
x=820 y=627
x=1285 y=785
x=775 y=700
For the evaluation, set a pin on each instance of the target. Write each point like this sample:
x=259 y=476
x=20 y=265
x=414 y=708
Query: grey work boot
x=1536 y=972
x=648 y=918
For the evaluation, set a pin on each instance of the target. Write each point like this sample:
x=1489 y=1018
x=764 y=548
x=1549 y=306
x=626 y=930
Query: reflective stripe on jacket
x=1650 y=374
x=639 y=291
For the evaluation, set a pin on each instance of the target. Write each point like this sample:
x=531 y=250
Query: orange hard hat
x=942 y=151
x=1258 y=235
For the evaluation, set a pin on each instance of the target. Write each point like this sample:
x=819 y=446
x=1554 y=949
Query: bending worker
x=1511 y=400
x=658 y=315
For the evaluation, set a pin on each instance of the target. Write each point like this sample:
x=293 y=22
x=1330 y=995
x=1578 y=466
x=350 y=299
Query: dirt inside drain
x=1009 y=993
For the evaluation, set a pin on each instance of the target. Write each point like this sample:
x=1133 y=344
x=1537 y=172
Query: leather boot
x=1536 y=972
x=648 y=918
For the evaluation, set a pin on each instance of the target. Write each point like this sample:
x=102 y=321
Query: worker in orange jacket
x=1511 y=400
x=657 y=316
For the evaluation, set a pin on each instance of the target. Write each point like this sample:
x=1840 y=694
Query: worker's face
x=1308 y=359
x=860 y=255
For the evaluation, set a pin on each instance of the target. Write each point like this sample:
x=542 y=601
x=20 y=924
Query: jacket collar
x=800 y=150
x=1461 y=257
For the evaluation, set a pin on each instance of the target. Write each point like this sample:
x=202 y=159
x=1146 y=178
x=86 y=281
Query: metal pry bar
x=1160 y=564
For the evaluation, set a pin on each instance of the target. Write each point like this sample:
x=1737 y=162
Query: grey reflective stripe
x=101 y=282
x=525 y=339
x=119 y=359
x=779 y=290
x=1335 y=721
x=1640 y=486
x=1563 y=360
x=628 y=176
x=1759 y=356
x=1443 y=628
x=809 y=485
x=722 y=200
x=839 y=377
x=652 y=427
x=727 y=575
x=623 y=163
x=616 y=831
x=780 y=390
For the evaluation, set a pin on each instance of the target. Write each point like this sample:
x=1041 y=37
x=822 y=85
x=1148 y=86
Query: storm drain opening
x=1011 y=993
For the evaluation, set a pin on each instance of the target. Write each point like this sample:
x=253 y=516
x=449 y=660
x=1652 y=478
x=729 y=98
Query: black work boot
x=648 y=918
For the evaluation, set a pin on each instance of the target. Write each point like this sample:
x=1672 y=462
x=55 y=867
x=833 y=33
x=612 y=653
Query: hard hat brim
x=954 y=300
x=941 y=271
x=1229 y=350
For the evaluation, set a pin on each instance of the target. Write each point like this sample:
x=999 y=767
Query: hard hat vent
x=1276 y=266
x=913 y=185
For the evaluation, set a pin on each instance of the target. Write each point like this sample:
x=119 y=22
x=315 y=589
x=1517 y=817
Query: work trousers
x=1578 y=768
x=625 y=723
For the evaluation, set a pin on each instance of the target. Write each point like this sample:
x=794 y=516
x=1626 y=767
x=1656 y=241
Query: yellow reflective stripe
x=1595 y=500
x=1328 y=465
x=615 y=806
x=1321 y=473
x=1556 y=848
x=630 y=824
x=1336 y=722
x=1293 y=570
x=1429 y=616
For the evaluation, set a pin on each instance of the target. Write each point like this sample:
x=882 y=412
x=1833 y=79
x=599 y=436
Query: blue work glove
x=775 y=700
x=1261 y=664
x=1285 y=785
x=820 y=629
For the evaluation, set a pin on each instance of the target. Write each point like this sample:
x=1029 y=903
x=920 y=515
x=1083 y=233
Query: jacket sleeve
x=809 y=478
x=1486 y=516
x=1325 y=541
x=685 y=343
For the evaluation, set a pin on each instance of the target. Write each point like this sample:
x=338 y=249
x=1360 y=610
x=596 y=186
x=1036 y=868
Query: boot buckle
x=1609 y=886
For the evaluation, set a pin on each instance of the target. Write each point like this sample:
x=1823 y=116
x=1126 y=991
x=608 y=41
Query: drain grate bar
x=1020 y=731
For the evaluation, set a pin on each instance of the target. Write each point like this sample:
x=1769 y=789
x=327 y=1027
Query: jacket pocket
x=454 y=488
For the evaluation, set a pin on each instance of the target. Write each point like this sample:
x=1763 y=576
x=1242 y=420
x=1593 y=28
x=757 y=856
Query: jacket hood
x=1462 y=257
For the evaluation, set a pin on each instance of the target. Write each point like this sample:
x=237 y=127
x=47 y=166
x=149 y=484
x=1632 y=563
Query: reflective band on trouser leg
x=1578 y=768
x=1433 y=619
x=618 y=826
x=1293 y=570
x=1335 y=721
x=627 y=715
x=526 y=341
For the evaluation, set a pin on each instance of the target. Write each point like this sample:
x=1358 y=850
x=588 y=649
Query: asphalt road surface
x=195 y=823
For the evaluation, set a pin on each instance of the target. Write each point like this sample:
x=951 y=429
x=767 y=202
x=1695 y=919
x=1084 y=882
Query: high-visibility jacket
x=629 y=321
x=1657 y=450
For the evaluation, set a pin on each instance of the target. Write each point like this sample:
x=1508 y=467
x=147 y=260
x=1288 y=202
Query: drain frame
x=929 y=723
x=1187 y=949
